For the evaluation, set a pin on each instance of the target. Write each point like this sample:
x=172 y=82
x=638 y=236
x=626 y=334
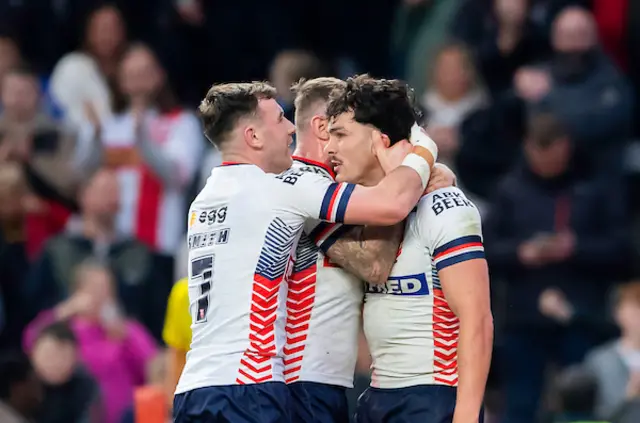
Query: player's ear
x=252 y=138
x=378 y=139
x=320 y=127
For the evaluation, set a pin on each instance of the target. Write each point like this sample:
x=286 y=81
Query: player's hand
x=441 y=177
x=389 y=157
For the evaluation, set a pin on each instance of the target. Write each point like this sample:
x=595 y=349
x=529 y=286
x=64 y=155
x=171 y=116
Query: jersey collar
x=316 y=164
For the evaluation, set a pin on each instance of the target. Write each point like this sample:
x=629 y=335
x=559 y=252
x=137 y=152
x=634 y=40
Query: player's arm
x=385 y=204
x=366 y=251
x=454 y=235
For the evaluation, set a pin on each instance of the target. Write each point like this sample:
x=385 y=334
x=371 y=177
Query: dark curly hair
x=387 y=104
x=226 y=104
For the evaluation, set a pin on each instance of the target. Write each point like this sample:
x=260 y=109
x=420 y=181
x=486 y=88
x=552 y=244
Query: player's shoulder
x=447 y=203
x=299 y=175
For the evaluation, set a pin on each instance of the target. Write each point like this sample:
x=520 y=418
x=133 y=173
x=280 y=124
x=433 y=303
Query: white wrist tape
x=420 y=165
x=419 y=137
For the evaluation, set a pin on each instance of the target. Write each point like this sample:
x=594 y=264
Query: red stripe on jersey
x=458 y=248
x=300 y=302
x=332 y=202
x=446 y=328
x=148 y=210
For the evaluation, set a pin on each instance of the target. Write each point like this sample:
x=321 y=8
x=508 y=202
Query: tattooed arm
x=368 y=251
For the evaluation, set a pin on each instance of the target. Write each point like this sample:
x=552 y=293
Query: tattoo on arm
x=368 y=251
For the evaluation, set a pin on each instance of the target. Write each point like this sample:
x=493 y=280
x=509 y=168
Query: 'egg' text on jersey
x=411 y=331
x=243 y=229
x=323 y=306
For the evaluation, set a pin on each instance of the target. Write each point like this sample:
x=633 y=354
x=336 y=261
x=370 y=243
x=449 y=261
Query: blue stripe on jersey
x=315 y=233
x=459 y=258
x=331 y=239
x=306 y=254
x=276 y=249
x=457 y=242
x=326 y=202
x=344 y=200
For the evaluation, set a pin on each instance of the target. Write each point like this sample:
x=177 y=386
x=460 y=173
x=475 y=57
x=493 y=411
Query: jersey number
x=202 y=275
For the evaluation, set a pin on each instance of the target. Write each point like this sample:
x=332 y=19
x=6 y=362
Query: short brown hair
x=544 y=129
x=226 y=104
x=629 y=291
x=310 y=93
x=386 y=104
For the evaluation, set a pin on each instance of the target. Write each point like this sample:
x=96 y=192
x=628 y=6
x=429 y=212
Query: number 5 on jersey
x=202 y=276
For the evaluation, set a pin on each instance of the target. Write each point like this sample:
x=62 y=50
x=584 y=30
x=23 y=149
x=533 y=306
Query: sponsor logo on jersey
x=192 y=218
x=401 y=285
x=208 y=239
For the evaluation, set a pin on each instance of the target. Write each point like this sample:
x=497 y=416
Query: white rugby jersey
x=243 y=230
x=411 y=331
x=323 y=306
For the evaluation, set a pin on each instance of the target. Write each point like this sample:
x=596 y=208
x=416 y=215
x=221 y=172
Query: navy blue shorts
x=414 y=404
x=318 y=403
x=260 y=403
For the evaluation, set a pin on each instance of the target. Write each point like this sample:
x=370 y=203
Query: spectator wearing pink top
x=115 y=350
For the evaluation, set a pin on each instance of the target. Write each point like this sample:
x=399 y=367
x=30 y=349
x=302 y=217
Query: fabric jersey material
x=410 y=328
x=243 y=229
x=323 y=305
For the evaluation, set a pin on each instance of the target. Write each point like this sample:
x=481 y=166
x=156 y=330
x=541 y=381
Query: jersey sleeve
x=450 y=228
x=313 y=195
x=324 y=234
x=177 y=326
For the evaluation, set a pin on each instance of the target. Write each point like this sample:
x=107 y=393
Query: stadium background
x=100 y=152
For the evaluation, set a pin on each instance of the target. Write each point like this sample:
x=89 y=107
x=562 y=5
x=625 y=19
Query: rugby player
x=429 y=328
x=324 y=301
x=243 y=229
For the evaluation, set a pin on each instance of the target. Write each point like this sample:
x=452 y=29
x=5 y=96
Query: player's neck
x=311 y=149
x=372 y=178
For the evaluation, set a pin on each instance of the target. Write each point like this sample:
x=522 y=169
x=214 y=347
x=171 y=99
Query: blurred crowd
x=531 y=102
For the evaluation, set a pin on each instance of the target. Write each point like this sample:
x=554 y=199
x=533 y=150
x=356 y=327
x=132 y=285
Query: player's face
x=350 y=149
x=276 y=133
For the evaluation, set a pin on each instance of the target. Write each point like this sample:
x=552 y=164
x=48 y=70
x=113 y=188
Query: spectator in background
x=502 y=37
x=616 y=365
x=551 y=225
x=10 y=56
x=14 y=265
x=577 y=390
x=70 y=394
x=143 y=285
x=419 y=30
x=115 y=349
x=287 y=68
x=154 y=146
x=455 y=92
x=44 y=148
x=20 y=390
x=82 y=81
x=581 y=86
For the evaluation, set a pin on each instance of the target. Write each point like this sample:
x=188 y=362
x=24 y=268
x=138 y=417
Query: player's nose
x=292 y=128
